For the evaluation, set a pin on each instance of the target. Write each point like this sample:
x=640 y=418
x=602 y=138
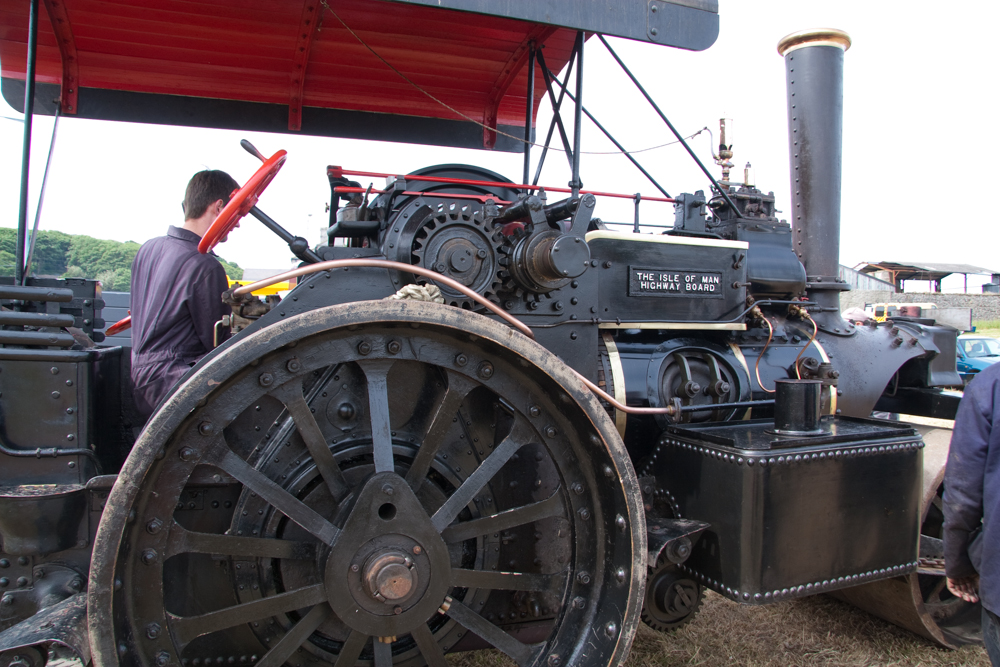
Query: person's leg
x=991 y=636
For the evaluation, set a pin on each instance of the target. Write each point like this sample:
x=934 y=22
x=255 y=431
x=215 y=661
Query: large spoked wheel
x=241 y=202
x=378 y=483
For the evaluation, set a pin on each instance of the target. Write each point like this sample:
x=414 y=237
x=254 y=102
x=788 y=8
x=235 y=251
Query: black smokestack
x=814 y=72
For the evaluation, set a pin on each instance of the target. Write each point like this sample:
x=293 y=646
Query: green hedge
x=79 y=256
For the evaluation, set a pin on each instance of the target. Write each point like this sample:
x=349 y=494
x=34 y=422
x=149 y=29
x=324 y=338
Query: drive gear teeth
x=672 y=598
x=457 y=242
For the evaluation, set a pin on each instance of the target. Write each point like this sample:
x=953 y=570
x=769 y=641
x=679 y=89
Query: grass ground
x=812 y=631
x=988 y=328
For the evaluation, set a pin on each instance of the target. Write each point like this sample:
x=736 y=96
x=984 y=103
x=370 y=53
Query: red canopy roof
x=278 y=65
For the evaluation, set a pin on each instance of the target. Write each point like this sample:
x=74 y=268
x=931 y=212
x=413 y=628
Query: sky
x=918 y=104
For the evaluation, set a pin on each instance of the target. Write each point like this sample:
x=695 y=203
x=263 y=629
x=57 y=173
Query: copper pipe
x=395 y=266
x=669 y=410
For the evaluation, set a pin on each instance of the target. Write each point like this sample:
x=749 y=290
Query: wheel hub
x=389 y=569
x=389 y=577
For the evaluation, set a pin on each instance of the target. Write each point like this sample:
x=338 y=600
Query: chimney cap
x=814 y=37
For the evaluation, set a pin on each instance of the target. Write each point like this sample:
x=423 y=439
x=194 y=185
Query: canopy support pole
x=556 y=104
x=616 y=143
x=29 y=109
x=576 y=184
x=529 y=107
x=628 y=72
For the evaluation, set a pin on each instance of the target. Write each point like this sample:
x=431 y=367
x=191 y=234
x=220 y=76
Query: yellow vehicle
x=883 y=311
x=264 y=291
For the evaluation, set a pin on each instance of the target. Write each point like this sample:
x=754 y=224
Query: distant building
x=895 y=273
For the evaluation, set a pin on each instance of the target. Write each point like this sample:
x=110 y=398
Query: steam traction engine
x=588 y=429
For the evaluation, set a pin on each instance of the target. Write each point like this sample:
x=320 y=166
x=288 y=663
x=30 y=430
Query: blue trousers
x=991 y=636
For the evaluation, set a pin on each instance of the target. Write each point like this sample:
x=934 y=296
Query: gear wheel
x=671 y=599
x=458 y=242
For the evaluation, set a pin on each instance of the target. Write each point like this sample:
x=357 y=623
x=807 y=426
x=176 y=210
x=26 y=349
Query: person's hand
x=965 y=588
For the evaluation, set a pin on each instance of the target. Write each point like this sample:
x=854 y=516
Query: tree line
x=62 y=255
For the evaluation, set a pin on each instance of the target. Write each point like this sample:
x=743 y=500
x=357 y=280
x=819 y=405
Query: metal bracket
x=59 y=631
x=69 y=90
x=300 y=59
x=511 y=69
x=673 y=538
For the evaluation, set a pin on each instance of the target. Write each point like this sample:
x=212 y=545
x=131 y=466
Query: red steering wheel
x=241 y=202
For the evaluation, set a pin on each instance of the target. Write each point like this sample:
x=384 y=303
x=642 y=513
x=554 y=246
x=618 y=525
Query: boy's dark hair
x=204 y=189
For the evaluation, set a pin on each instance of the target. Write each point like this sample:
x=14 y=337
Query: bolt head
x=534 y=411
x=364 y=347
x=551 y=432
x=393 y=347
x=265 y=379
x=206 y=428
x=388 y=490
x=187 y=454
x=153 y=630
x=485 y=370
x=293 y=365
x=154 y=526
x=461 y=360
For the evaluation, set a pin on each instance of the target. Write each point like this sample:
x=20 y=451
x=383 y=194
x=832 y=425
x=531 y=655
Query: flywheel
x=377 y=483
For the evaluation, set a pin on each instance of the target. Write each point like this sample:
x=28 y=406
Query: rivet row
x=802 y=589
x=763 y=461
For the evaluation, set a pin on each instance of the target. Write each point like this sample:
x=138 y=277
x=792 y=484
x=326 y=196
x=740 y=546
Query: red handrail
x=340 y=171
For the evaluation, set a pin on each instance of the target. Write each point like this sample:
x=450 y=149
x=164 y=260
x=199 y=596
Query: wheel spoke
x=543 y=509
x=351 y=649
x=517 y=438
x=458 y=388
x=295 y=637
x=295 y=403
x=934 y=596
x=286 y=503
x=183 y=541
x=520 y=652
x=186 y=628
x=376 y=372
x=383 y=653
x=429 y=648
x=505 y=581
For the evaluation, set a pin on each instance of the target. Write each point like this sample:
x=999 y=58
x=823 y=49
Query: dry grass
x=813 y=631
